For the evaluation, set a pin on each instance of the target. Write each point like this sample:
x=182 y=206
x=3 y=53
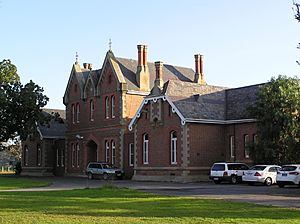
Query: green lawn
x=7 y=183
x=112 y=205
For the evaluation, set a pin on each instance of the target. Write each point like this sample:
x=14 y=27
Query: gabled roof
x=55 y=128
x=198 y=103
x=170 y=72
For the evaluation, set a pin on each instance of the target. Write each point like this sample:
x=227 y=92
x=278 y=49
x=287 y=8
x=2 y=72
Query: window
x=26 y=155
x=57 y=157
x=62 y=158
x=92 y=108
x=113 y=106
x=246 y=146
x=77 y=154
x=131 y=154
x=173 y=138
x=113 y=152
x=232 y=152
x=106 y=151
x=39 y=155
x=106 y=107
x=255 y=138
x=73 y=155
x=77 y=112
x=145 y=149
x=73 y=113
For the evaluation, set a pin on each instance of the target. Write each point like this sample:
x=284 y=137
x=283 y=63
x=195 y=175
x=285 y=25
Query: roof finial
x=109 y=44
x=76 y=57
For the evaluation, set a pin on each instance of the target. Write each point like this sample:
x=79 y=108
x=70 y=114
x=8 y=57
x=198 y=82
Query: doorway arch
x=91 y=151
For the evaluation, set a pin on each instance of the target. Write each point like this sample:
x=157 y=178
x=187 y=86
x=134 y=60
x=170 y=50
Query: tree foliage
x=20 y=105
x=277 y=111
x=8 y=72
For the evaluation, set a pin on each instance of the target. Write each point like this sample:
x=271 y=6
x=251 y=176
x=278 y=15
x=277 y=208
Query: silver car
x=104 y=170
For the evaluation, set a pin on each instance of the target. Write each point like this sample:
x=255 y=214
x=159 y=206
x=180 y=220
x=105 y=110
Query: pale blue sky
x=244 y=42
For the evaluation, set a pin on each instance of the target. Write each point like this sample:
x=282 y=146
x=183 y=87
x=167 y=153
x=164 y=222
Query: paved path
x=275 y=196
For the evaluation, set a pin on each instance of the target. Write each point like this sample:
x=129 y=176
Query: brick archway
x=91 y=151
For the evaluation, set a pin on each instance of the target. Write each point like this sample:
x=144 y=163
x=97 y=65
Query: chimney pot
x=85 y=65
x=199 y=69
x=159 y=73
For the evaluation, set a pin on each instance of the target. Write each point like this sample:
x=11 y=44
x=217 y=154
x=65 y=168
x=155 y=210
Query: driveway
x=275 y=196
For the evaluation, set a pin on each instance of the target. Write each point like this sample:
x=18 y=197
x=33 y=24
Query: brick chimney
x=199 y=74
x=159 y=73
x=142 y=73
x=87 y=66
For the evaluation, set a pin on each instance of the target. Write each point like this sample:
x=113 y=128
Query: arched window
x=73 y=155
x=26 y=155
x=131 y=154
x=62 y=158
x=73 y=113
x=39 y=155
x=106 y=151
x=92 y=108
x=145 y=149
x=113 y=106
x=246 y=146
x=113 y=152
x=77 y=154
x=57 y=157
x=173 y=141
x=106 y=107
x=77 y=112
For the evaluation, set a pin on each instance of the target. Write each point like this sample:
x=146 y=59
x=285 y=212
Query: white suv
x=288 y=174
x=231 y=172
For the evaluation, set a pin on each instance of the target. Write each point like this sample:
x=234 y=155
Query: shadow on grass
x=124 y=202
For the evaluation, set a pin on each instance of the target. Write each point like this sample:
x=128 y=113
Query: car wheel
x=90 y=176
x=105 y=176
x=234 y=179
x=268 y=181
x=280 y=185
x=217 y=181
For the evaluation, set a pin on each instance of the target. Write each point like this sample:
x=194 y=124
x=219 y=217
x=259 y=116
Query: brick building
x=43 y=151
x=156 y=121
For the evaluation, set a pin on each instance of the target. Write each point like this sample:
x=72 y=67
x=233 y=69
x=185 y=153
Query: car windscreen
x=288 y=168
x=237 y=167
x=218 y=167
x=107 y=166
x=258 y=168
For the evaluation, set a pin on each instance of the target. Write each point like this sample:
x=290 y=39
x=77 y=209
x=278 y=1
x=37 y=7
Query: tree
x=277 y=111
x=8 y=72
x=20 y=105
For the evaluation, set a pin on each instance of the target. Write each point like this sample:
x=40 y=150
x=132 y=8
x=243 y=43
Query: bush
x=18 y=168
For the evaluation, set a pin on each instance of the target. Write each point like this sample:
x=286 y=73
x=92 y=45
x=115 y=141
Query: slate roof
x=55 y=129
x=170 y=72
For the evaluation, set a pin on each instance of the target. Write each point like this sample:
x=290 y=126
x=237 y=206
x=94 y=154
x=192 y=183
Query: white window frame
x=92 y=108
x=113 y=106
x=77 y=112
x=77 y=154
x=145 y=149
x=107 y=107
x=173 y=147
x=131 y=154
x=231 y=146
x=246 y=146
x=107 y=151
x=113 y=152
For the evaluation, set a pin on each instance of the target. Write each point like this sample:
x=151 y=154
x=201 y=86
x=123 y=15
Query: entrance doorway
x=91 y=151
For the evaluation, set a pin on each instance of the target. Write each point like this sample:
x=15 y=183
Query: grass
x=8 y=183
x=112 y=205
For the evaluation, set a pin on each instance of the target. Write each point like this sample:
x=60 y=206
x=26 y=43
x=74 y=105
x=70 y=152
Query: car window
x=258 y=167
x=218 y=167
x=92 y=165
x=98 y=166
x=272 y=169
x=288 y=168
x=237 y=167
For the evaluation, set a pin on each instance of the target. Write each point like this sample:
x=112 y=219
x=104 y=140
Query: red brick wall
x=206 y=144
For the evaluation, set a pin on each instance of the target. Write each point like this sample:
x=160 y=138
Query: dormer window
x=92 y=108
x=77 y=113
x=107 y=107
x=73 y=113
x=113 y=106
